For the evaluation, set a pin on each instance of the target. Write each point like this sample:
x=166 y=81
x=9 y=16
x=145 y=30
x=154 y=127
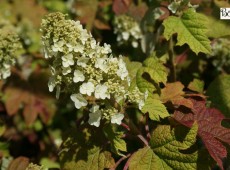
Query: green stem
x=171 y=61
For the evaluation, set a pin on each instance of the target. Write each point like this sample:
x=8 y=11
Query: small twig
x=119 y=161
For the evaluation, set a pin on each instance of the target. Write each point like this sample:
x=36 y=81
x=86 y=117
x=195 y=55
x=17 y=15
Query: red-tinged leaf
x=173 y=92
x=19 y=163
x=210 y=129
x=121 y=6
x=1 y=84
x=29 y=9
x=86 y=11
x=165 y=15
x=29 y=112
x=127 y=2
x=14 y=98
x=101 y=25
x=45 y=107
x=2 y=108
x=31 y=97
x=138 y=12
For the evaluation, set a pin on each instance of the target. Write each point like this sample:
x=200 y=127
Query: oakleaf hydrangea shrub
x=9 y=46
x=127 y=30
x=86 y=70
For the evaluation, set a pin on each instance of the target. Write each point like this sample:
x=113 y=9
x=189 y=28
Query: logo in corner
x=224 y=13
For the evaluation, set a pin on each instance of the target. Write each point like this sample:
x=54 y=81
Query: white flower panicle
x=127 y=30
x=9 y=46
x=83 y=68
x=220 y=55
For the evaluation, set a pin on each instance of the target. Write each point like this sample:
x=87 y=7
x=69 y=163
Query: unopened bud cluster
x=9 y=45
x=83 y=68
x=221 y=54
x=127 y=30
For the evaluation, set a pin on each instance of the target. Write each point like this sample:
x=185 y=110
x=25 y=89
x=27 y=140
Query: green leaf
x=2 y=129
x=95 y=160
x=196 y=85
x=132 y=67
x=219 y=93
x=221 y=28
x=117 y=144
x=82 y=149
x=144 y=158
x=165 y=150
x=48 y=163
x=155 y=108
x=191 y=29
x=151 y=74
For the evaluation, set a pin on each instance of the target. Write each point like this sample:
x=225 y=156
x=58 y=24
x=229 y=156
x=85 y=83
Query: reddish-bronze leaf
x=29 y=9
x=31 y=98
x=101 y=25
x=86 y=11
x=174 y=92
x=210 y=129
x=14 y=98
x=121 y=6
x=19 y=163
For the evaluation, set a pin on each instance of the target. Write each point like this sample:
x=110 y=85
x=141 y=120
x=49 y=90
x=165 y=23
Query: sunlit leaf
x=174 y=92
x=150 y=75
x=165 y=148
x=196 y=85
x=191 y=29
x=155 y=108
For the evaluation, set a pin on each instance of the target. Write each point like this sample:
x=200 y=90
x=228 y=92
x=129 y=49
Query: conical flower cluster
x=85 y=69
x=127 y=30
x=9 y=45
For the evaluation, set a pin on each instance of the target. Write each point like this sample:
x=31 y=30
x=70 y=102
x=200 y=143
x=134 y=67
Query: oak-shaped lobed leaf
x=191 y=29
x=31 y=97
x=165 y=149
x=210 y=130
x=83 y=148
x=173 y=92
x=121 y=6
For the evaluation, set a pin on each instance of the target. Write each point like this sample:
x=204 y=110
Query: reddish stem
x=147 y=127
x=125 y=126
x=119 y=161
